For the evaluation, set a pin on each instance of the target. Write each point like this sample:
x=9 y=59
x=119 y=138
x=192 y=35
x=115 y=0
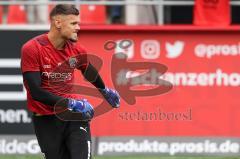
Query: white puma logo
x=85 y=129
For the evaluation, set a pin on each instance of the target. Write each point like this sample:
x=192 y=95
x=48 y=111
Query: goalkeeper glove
x=111 y=96
x=82 y=106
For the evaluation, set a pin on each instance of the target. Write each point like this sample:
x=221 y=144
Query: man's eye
x=74 y=23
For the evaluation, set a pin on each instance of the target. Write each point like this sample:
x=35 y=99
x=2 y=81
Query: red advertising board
x=202 y=64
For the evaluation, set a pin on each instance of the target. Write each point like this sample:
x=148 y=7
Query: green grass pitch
x=121 y=157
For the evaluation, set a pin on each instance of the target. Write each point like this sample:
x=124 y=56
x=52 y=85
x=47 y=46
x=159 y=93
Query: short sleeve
x=29 y=58
x=82 y=58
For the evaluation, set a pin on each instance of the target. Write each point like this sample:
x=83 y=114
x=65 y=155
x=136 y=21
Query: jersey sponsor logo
x=57 y=76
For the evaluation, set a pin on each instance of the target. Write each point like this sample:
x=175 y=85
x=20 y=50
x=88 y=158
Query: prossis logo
x=9 y=80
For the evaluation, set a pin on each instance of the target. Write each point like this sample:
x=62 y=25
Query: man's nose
x=78 y=27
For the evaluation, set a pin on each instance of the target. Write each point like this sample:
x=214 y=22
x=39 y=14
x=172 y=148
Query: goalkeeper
x=40 y=56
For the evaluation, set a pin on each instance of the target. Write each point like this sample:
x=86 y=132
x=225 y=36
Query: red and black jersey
x=56 y=68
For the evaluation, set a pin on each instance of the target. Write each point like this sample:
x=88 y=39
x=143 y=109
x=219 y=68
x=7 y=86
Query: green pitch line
x=19 y=157
x=159 y=157
x=121 y=157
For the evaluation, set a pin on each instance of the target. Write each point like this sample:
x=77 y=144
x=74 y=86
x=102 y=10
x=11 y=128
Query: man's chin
x=73 y=39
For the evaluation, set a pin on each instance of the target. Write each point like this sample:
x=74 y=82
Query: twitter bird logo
x=174 y=50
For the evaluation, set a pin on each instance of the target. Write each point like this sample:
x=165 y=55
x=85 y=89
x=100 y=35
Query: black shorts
x=62 y=139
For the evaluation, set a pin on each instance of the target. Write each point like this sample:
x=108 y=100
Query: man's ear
x=57 y=22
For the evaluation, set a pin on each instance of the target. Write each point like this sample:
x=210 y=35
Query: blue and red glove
x=111 y=96
x=81 y=106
